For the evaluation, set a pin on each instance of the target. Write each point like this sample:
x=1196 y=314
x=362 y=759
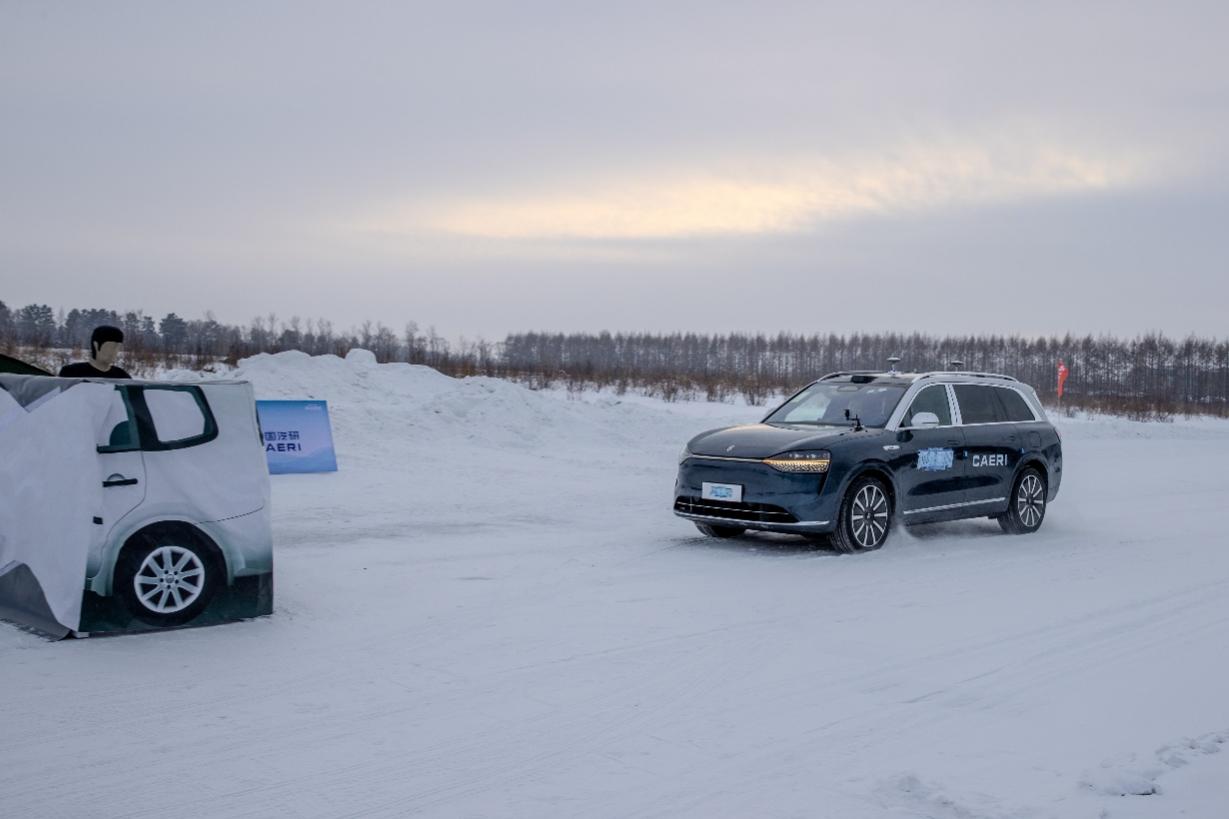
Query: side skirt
x=955 y=511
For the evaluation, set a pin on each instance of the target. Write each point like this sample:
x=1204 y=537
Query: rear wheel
x=166 y=576
x=720 y=531
x=865 y=517
x=1027 y=508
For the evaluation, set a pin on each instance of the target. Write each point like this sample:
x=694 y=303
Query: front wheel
x=1027 y=508
x=166 y=577
x=720 y=531
x=865 y=517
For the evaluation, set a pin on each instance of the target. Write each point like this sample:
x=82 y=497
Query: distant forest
x=1150 y=376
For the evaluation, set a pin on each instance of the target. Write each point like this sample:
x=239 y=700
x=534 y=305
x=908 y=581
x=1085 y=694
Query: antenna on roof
x=893 y=360
x=956 y=365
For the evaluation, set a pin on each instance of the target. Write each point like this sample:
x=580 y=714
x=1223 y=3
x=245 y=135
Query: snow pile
x=361 y=358
x=375 y=406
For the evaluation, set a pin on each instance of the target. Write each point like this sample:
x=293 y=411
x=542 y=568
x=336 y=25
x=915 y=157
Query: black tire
x=1026 y=508
x=166 y=575
x=720 y=531
x=865 y=519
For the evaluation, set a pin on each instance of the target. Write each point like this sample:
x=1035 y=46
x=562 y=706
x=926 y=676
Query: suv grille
x=749 y=512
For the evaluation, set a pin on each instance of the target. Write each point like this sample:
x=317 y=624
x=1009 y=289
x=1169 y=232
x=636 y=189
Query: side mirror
x=924 y=420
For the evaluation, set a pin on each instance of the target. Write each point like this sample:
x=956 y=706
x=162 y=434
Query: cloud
x=642 y=210
x=759 y=197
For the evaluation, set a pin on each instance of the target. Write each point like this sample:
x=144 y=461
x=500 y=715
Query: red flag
x=1062 y=376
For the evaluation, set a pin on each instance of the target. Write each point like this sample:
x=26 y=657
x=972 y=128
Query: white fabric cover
x=50 y=491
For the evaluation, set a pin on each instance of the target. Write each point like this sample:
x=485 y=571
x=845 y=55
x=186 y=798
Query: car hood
x=762 y=440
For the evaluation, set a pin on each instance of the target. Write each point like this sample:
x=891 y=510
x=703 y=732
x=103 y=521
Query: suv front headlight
x=806 y=460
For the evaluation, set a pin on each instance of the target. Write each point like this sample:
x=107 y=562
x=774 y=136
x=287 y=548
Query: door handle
x=953 y=442
x=119 y=480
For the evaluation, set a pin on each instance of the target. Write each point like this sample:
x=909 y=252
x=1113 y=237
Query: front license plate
x=721 y=492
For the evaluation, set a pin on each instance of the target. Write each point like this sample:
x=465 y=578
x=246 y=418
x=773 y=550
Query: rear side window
x=173 y=417
x=1016 y=407
x=932 y=399
x=978 y=404
x=176 y=415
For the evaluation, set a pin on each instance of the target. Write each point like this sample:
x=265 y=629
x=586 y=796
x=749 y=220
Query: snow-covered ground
x=491 y=611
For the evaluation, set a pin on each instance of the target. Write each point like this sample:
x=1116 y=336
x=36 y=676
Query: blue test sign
x=297 y=436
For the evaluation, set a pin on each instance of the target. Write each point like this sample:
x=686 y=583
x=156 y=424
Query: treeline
x=53 y=337
x=1148 y=376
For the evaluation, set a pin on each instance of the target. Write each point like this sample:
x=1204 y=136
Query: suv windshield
x=825 y=403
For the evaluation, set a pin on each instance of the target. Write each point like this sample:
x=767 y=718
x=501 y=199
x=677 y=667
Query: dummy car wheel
x=1027 y=508
x=720 y=531
x=865 y=517
x=166 y=576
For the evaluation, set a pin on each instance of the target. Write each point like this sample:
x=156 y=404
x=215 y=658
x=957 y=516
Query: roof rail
x=964 y=374
x=852 y=372
x=923 y=376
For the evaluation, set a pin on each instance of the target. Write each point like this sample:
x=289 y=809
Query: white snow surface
x=489 y=610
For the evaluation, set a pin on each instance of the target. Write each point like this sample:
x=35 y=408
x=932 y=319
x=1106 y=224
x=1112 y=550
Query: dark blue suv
x=852 y=453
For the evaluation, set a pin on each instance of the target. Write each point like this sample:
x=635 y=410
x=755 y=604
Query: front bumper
x=772 y=501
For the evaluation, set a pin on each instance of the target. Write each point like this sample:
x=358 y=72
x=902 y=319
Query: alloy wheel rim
x=868 y=516
x=170 y=579
x=1030 y=501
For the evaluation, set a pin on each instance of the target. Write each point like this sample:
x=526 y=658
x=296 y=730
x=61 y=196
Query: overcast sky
x=487 y=167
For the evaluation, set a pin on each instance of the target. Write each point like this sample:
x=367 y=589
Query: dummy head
x=105 y=345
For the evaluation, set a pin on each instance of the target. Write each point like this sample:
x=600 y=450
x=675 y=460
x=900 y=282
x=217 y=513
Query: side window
x=932 y=399
x=1016 y=407
x=177 y=415
x=978 y=404
x=118 y=433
